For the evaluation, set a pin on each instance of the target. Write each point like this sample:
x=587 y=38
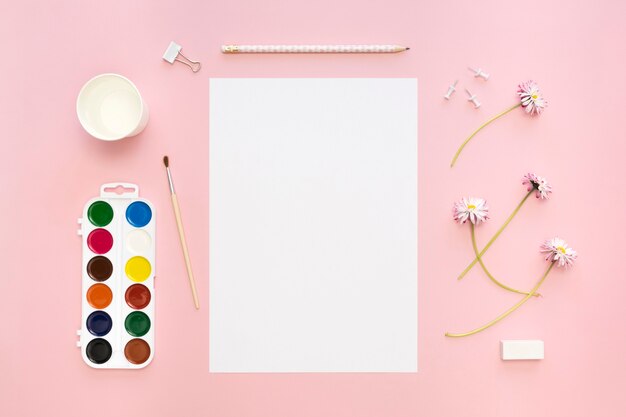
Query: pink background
x=51 y=167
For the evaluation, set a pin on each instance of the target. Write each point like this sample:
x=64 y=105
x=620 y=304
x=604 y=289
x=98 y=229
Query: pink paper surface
x=51 y=167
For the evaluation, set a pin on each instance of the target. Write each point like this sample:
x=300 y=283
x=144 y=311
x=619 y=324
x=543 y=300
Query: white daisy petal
x=530 y=97
x=537 y=183
x=558 y=251
x=470 y=208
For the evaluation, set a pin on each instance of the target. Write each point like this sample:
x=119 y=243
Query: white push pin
x=473 y=99
x=451 y=90
x=479 y=73
x=173 y=52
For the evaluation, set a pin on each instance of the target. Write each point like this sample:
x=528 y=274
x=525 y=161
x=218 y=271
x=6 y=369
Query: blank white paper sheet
x=313 y=225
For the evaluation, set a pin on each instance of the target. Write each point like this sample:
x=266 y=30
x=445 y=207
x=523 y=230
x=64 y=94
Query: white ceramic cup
x=109 y=107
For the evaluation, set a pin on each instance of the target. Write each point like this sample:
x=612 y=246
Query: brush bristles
x=166 y=161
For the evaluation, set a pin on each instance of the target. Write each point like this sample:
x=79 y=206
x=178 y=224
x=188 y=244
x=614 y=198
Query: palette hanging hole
x=119 y=190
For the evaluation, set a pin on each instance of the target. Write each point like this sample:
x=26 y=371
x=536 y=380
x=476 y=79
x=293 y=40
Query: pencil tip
x=166 y=161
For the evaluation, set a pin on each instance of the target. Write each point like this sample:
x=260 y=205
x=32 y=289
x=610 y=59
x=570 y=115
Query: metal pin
x=479 y=73
x=451 y=90
x=473 y=99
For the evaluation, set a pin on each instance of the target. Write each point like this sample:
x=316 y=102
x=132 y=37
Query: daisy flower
x=536 y=183
x=558 y=254
x=476 y=211
x=530 y=99
x=471 y=208
x=557 y=251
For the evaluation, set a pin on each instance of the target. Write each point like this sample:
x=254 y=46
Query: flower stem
x=491 y=277
x=509 y=311
x=479 y=129
x=494 y=237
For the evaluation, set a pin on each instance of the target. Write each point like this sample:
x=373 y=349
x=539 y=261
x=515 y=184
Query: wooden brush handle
x=183 y=243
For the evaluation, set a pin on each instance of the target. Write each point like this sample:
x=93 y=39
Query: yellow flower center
x=561 y=249
x=535 y=96
x=471 y=206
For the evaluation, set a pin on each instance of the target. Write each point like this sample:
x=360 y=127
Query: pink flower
x=558 y=251
x=540 y=184
x=471 y=208
x=531 y=99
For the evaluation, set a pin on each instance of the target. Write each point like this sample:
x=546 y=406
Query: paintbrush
x=181 y=232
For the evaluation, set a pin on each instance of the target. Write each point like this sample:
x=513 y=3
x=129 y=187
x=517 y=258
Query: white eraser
x=521 y=349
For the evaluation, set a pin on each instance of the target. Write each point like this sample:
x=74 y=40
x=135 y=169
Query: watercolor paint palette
x=118 y=244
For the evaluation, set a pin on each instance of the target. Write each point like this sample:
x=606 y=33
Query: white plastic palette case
x=118 y=265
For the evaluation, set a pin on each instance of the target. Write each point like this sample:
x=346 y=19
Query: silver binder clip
x=172 y=54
